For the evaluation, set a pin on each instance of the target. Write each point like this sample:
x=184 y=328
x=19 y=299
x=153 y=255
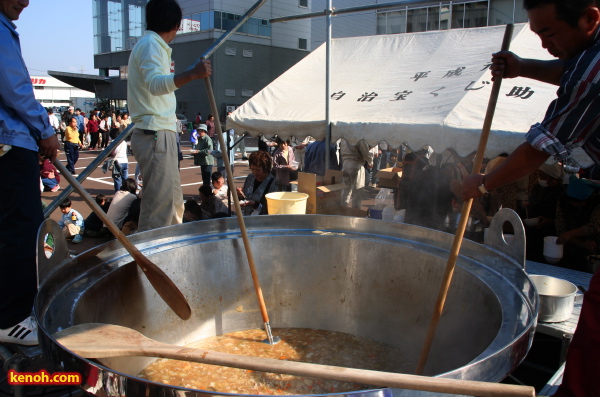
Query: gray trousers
x=162 y=197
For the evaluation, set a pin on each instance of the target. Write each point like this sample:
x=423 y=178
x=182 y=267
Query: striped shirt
x=571 y=127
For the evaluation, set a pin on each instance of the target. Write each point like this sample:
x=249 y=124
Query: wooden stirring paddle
x=165 y=287
x=106 y=340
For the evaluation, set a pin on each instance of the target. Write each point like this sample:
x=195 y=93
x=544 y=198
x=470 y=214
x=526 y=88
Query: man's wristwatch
x=482 y=188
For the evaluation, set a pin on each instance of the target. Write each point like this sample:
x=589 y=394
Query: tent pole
x=329 y=11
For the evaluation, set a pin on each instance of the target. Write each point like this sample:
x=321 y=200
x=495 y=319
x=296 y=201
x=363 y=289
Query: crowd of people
x=78 y=132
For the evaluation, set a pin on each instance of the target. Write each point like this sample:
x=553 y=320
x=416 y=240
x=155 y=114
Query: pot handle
x=495 y=237
x=51 y=251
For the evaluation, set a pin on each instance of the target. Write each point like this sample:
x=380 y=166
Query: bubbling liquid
x=297 y=344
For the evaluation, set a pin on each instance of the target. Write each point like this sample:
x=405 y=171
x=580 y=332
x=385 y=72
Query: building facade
x=428 y=15
x=250 y=59
x=53 y=93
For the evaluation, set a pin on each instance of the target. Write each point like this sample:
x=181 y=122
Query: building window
x=444 y=17
x=114 y=23
x=303 y=44
x=247 y=93
x=391 y=22
x=230 y=51
x=230 y=92
x=433 y=18
x=416 y=20
x=452 y=15
x=458 y=16
x=303 y=3
x=476 y=14
x=247 y=53
x=255 y=26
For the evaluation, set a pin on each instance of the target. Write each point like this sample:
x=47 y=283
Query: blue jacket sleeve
x=16 y=90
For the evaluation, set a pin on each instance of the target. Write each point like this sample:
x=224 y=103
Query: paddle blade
x=94 y=340
x=165 y=287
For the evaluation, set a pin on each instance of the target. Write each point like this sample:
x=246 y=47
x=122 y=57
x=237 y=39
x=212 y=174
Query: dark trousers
x=105 y=139
x=20 y=218
x=72 y=153
x=206 y=171
x=93 y=140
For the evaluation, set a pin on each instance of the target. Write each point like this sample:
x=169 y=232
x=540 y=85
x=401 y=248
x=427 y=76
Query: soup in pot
x=297 y=344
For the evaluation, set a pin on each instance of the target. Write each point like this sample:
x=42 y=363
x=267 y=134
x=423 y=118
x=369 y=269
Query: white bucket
x=552 y=252
x=280 y=203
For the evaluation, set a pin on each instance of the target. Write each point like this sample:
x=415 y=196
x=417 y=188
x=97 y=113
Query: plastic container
x=383 y=198
x=399 y=217
x=286 y=203
x=552 y=252
x=388 y=213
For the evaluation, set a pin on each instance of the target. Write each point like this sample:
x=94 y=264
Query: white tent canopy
x=428 y=88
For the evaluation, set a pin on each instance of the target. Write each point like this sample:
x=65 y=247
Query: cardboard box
x=325 y=198
x=389 y=177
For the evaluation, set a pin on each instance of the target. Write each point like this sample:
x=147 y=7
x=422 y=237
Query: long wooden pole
x=165 y=287
x=464 y=215
x=240 y=217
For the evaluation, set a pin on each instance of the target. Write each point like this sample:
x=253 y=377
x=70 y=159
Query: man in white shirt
x=53 y=120
x=151 y=98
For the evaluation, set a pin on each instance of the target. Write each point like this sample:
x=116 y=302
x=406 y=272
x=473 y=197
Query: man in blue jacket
x=24 y=131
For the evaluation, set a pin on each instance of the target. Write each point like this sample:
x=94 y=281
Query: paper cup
x=551 y=249
x=531 y=221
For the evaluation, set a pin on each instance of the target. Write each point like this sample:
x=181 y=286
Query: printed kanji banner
x=428 y=88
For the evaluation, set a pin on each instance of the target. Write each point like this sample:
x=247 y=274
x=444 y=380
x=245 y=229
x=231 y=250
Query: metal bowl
x=557 y=298
x=365 y=277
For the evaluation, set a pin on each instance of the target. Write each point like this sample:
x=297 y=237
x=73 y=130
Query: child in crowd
x=93 y=225
x=71 y=222
x=194 y=139
x=72 y=145
x=220 y=188
x=210 y=204
x=49 y=175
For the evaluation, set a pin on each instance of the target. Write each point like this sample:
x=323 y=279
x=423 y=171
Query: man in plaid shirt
x=569 y=30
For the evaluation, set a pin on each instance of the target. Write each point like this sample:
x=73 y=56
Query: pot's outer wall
x=361 y=276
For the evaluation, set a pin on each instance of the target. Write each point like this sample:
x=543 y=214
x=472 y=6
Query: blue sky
x=57 y=35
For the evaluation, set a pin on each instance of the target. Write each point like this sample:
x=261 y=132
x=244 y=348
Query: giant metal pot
x=361 y=276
